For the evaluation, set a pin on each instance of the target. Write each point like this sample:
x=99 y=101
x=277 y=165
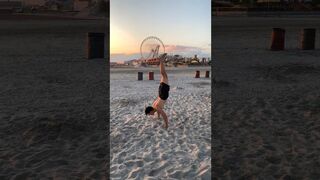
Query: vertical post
x=308 y=39
x=151 y=76
x=95 y=45
x=277 y=39
x=140 y=76
x=207 y=74
x=197 y=74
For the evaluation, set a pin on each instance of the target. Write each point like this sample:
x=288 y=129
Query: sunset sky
x=184 y=26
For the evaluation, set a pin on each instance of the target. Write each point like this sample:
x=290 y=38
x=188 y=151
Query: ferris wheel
x=151 y=47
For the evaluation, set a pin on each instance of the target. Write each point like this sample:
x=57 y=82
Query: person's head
x=150 y=110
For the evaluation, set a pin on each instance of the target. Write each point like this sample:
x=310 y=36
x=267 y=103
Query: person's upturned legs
x=164 y=76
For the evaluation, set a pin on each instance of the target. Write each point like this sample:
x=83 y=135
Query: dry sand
x=140 y=147
x=53 y=106
x=266 y=104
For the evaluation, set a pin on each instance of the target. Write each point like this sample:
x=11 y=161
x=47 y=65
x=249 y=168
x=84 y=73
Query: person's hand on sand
x=165 y=126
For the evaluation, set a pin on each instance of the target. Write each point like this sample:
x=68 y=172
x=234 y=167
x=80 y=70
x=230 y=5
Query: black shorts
x=164 y=91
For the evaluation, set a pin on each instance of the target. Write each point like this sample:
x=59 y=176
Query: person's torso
x=158 y=103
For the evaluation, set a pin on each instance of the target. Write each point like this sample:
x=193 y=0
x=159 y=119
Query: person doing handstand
x=164 y=88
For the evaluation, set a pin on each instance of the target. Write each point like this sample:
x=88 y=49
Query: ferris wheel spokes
x=151 y=47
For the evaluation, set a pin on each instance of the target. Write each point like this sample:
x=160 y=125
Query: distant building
x=194 y=62
x=133 y=62
x=76 y=5
x=113 y=63
x=33 y=3
x=79 y=5
x=203 y=60
x=9 y=6
x=222 y=4
x=269 y=1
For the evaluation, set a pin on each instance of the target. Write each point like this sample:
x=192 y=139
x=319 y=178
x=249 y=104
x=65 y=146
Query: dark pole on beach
x=151 y=77
x=197 y=74
x=207 y=74
x=308 y=39
x=277 y=39
x=140 y=76
x=95 y=45
x=107 y=32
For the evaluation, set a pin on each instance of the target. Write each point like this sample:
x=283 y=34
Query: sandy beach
x=266 y=104
x=54 y=107
x=140 y=147
x=53 y=101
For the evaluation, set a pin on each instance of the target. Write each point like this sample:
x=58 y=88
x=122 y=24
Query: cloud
x=179 y=48
x=123 y=57
x=187 y=51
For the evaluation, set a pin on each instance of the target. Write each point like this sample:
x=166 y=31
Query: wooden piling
x=197 y=74
x=308 y=39
x=140 y=76
x=151 y=77
x=277 y=39
x=207 y=74
x=95 y=45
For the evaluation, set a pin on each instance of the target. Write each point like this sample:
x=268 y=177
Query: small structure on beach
x=140 y=76
x=308 y=39
x=95 y=45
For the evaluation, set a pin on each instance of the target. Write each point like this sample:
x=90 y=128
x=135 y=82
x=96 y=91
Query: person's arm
x=165 y=118
x=158 y=115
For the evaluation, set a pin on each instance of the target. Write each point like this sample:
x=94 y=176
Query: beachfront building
x=269 y=3
x=195 y=61
x=9 y=6
x=284 y=4
x=79 y=5
x=204 y=61
x=128 y=63
x=75 y=5
x=33 y=3
x=133 y=62
x=195 y=58
x=222 y=4
x=112 y=64
x=117 y=64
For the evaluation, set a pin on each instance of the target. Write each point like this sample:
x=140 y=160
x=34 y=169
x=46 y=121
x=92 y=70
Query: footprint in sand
x=131 y=163
x=134 y=174
x=157 y=168
x=176 y=174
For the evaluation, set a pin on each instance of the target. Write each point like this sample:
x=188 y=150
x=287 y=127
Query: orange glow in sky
x=121 y=41
x=183 y=26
